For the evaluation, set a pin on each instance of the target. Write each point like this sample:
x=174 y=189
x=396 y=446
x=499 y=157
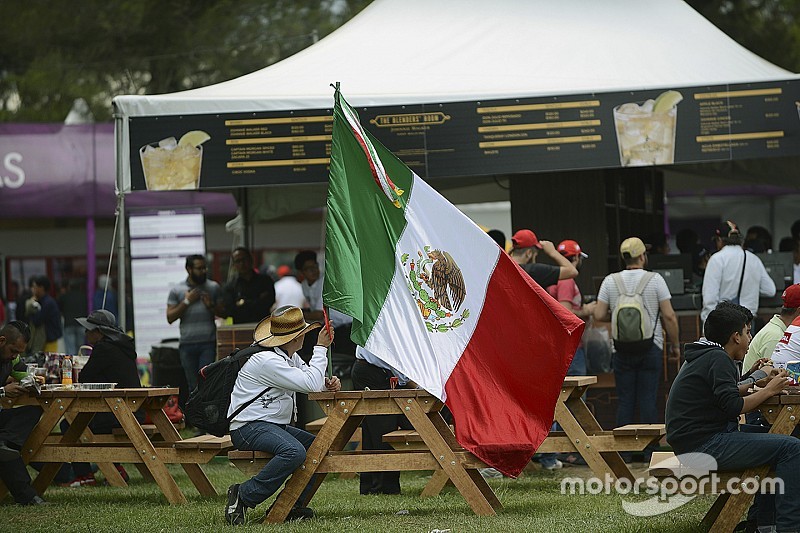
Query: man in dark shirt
x=17 y=423
x=525 y=249
x=249 y=297
x=705 y=401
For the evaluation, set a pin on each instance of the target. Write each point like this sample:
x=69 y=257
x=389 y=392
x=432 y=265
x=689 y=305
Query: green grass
x=531 y=503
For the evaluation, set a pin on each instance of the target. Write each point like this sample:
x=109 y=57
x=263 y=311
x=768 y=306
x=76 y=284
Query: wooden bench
x=633 y=437
x=630 y=438
x=149 y=429
x=665 y=465
x=251 y=462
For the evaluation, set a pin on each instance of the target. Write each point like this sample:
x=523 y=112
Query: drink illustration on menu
x=171 y=165
x=646 y=131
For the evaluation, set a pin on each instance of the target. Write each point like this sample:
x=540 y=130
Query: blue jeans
x=637 y=377
x=194 y=356
x=738 y=451
x=288 y=445
x=578 y=365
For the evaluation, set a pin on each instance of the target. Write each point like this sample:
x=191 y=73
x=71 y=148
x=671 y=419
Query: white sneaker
x=490 y=473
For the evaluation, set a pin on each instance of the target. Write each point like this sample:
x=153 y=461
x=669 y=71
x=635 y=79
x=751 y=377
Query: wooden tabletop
x=579 y=381
x=46 y=395
x=783 y=399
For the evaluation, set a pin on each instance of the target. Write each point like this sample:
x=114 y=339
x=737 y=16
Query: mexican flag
x=435 y=297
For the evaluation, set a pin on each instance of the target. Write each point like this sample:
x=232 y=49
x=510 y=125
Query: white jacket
x=721 y=279
x=284 y=375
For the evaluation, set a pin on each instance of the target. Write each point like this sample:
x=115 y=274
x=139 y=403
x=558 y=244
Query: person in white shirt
x=288 y=290
x=273 y=376
x=734 y=274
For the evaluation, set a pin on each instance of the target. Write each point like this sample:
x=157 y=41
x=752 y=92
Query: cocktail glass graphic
x=646 y=131
x=171 y=165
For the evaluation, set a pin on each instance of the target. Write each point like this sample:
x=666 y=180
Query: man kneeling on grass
x=274 y=376
x=705 y=401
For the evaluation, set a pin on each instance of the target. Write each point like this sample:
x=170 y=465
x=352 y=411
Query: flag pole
x=324 y=307
x=328 y=328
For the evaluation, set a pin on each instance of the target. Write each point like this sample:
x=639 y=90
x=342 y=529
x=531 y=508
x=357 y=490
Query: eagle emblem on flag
x=437 y=285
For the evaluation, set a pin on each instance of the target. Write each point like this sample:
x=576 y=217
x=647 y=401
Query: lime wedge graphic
x=195 y=138
x=665 y=101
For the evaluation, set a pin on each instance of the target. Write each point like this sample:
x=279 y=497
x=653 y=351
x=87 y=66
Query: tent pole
x=246 y=237
x=120 y=213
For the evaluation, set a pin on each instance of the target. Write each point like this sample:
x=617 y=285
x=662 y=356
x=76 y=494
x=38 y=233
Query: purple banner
x=53 y=170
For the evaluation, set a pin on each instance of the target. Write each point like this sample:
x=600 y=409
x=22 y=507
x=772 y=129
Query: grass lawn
x=531 y=503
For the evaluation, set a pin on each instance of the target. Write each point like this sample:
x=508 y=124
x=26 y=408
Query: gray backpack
x=632 y=328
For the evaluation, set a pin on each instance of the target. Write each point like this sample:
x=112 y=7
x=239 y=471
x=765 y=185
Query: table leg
x=580 y=412
x=433 y=487
x=72 y=436
x=170 y=434
x=146 y=450
x=713 y=513
x=609 y=463
x=736 y=505
x=333 y=431
x=733 y=507
x=468 y=485
x=345 y=435
x=53 y=411
x=109 y=471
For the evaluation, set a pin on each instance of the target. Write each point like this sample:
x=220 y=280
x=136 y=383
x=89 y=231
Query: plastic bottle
x=66 y=370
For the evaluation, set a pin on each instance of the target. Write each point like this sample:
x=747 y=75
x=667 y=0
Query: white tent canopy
x=421 y=51
x=418 y=51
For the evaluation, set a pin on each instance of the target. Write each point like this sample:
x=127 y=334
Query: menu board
x=456 y=139
x=160 y=241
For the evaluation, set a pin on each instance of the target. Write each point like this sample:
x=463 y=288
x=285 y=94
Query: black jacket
x=704 y=397
x=112 y=361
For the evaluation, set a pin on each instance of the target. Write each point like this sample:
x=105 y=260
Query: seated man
x=113 y=360
x=705 y=401
x=17 y=423
x=272 y=377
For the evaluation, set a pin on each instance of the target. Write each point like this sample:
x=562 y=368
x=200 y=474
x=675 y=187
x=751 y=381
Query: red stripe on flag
x=504 y=388
x=362 y=142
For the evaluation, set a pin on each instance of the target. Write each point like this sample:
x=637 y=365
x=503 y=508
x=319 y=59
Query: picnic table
x=346 y=410
x=135 y=445
x=581 y=433
x=781 y=411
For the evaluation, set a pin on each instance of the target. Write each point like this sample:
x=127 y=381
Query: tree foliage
x=52 y=53
x=768 y=28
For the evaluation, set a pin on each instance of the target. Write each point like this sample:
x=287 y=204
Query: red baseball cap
x=525 y=238
x=284 y=270
x=570 y=248
x=791 y=296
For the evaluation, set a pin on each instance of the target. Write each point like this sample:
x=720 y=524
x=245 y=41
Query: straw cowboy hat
x=284 y=325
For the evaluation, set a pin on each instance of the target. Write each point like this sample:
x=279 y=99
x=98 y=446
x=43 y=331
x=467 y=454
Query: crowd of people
x=634 y=304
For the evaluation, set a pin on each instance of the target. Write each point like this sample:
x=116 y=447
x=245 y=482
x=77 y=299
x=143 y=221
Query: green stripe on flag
x=362 y=229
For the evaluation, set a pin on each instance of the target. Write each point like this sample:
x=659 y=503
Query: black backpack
x=207 y=407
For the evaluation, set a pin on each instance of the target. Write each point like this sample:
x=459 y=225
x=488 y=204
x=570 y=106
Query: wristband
x=186 y=302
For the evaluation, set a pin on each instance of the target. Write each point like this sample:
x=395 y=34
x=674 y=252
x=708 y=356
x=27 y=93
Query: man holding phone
x=196 y=300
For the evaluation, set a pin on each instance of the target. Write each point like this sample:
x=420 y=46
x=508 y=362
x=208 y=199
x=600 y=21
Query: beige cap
x=633 y=246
